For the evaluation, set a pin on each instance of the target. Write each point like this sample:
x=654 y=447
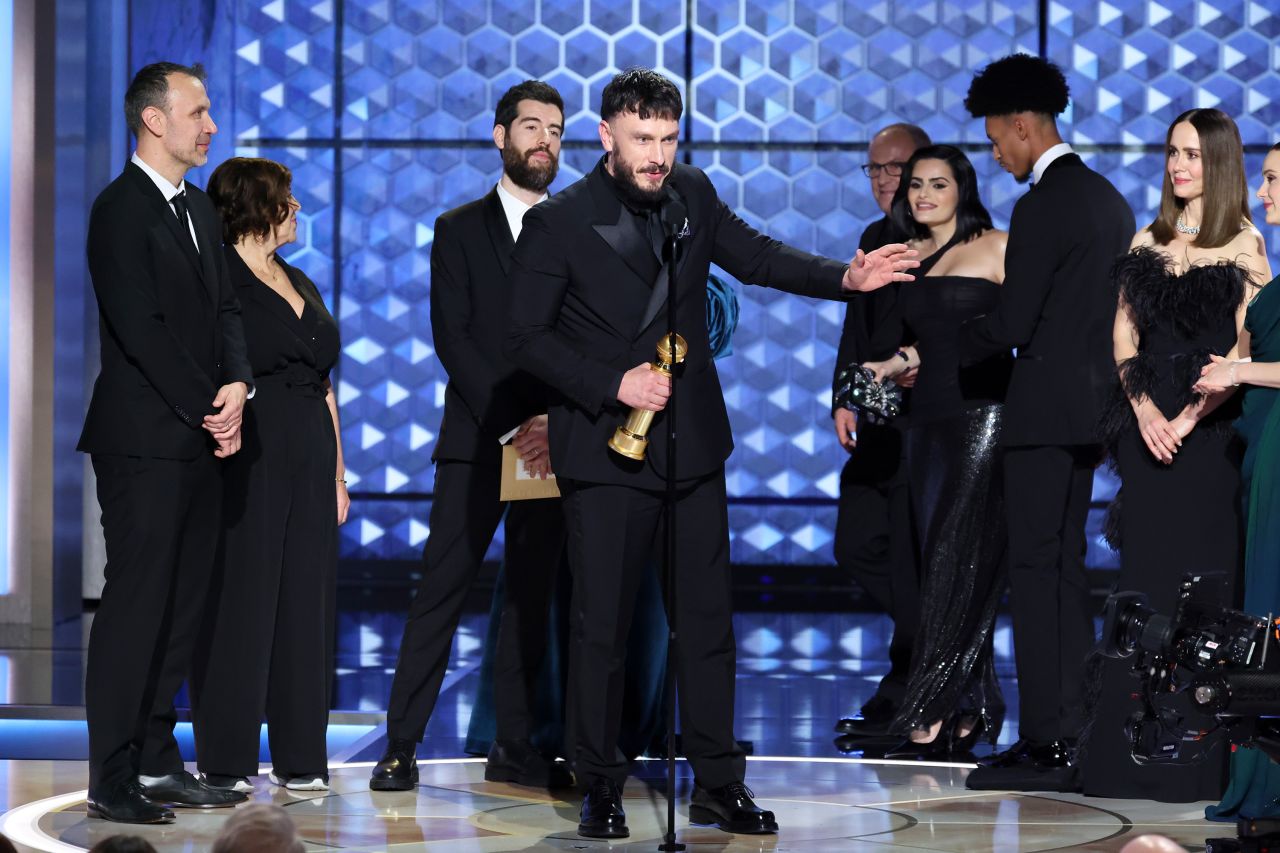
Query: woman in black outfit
x=268 y=643
x=1183 y=292
x=953 y=458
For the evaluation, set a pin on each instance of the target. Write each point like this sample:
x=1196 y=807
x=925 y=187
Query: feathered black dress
x=1176 y=518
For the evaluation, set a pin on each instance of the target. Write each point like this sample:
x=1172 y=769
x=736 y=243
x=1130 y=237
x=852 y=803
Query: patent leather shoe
x=126 y=803
x=873 y=720
x=867 y=747
x=1028 y=766
x=1043 y=755
x=731 y=809
x=602 y=815
x=396 y=770
x=184 y=790
x=518 y=762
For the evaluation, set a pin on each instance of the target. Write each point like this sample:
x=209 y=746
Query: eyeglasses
x=892 y=169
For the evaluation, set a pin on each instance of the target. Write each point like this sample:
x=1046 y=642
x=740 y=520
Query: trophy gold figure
x=630 y=439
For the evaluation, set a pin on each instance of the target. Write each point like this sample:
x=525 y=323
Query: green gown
x=1254 y=791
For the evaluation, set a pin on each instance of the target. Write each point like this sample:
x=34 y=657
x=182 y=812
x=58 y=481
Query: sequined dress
x=1173 y=519
x=953 y=465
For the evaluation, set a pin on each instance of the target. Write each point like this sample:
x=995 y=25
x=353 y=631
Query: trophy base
x=628 y=444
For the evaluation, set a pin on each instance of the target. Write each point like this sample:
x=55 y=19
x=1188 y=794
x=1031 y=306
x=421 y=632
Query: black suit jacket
x=168 y=319
x=584 y=311
x=868 y=312
x=1057 y=306
x=487 y=394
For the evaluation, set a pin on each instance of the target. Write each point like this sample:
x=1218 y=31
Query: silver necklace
x=1186 y=229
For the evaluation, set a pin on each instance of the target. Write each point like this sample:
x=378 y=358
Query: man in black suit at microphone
x=168 y=399
x=588 y=308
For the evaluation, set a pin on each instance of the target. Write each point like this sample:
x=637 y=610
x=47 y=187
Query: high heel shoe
x=928 y=750
x=984 y=726
x=910 y=750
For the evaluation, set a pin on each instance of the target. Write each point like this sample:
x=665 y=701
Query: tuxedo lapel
x=629 y=294
x=210 y=237
x=495 y=221
x=661 y=287
x=631 y=245
x=164 y=211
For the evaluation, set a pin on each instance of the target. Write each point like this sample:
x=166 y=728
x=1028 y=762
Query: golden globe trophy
x=630 y=439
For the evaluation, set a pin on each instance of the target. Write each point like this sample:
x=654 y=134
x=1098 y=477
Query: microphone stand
x=669 y=843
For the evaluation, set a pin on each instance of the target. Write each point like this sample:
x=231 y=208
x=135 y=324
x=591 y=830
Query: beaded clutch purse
x=856 y=388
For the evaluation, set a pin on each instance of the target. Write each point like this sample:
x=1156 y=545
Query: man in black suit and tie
x=488 y=396
x=588 y=294
x=875 y=539
x=1056 y=307
x=168 y=399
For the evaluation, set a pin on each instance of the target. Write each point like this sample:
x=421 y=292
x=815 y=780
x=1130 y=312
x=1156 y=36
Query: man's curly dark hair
x=1015 y=84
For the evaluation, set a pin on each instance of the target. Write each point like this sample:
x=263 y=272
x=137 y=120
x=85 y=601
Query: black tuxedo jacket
x=168 y=319
x=1057 y=306
x=487 y=394
x=584 y=310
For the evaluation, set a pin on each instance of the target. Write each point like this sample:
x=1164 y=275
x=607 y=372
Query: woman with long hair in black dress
x=1183 y=288
x=953 y=458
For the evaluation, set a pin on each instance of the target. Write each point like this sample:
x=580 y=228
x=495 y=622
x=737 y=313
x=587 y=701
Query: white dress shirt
x=168 y=190
x=1059 y=150
x=515 y=209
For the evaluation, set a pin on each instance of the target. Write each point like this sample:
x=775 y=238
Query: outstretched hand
x=873 y=270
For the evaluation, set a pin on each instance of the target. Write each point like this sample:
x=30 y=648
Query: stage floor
x=835 y=804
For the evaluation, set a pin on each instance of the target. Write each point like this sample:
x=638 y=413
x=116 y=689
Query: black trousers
x=464 y=517
x=615 y=535
x=160 y=520
x=1047 y=494
x=267 y=643
x=875 y=542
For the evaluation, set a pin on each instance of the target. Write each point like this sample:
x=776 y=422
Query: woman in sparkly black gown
x=953 y=458
x=1182 y=292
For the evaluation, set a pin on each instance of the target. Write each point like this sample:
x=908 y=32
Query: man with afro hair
x=1056 y=309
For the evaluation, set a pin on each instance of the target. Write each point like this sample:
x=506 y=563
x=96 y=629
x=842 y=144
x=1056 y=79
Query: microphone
x=675 y=218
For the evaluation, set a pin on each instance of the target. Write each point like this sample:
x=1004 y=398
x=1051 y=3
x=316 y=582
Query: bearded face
x=641 y=152
x=533 y=168
x=530 y=145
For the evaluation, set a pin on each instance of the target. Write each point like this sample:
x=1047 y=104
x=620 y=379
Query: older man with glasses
x=875 y=541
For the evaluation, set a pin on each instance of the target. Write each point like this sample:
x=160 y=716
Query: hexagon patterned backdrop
x=383 y=109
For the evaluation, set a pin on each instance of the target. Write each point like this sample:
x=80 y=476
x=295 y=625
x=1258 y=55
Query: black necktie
x=184 y=219
x=653 y=229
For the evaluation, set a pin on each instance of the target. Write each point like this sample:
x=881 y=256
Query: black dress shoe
x=186 y=791
x=520 y=763
x=730 y=808
x=867 y=747
x=602 y=815
x=1028 y=766
x=1015 y=754
x=873 y=720
x=1046 y=755
x=127 y=804
x=1028 y=777
x=396 y=770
